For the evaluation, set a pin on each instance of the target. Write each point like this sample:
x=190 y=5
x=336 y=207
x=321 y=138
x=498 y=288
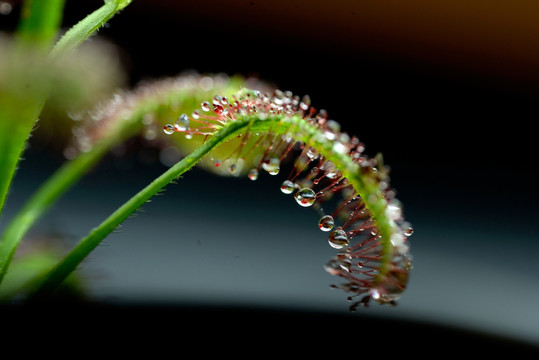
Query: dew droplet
x=407 y=229
x=205 y=106
x=272 y=165
x=305 y=103
x=288 y=187
x=5 y=8
x=195 y=114
x=168 y=129
x=338 y=238
x=326 y=223
x=311 y=153
x=332 y=130
x=253 y=174
x=305 y=197
x=182 y=124
x=218 y=109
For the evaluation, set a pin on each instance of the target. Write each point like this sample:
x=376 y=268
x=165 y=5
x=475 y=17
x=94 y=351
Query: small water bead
x=5 y=8
x=326 y=223
x=182 y=124
x=338 y=238
x=305 y=103
x=217 y=163
x=205 y=106
x=340 y=148
x=196 y=114
x=332 y=129
x=168 y=129
x=219 y=109
x=288 y=187
x=407 y=229
x=305 y=197
x=311 y=153
x=253 y=174
x=272 y=165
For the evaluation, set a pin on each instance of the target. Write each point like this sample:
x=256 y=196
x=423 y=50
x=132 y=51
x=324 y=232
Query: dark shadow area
x=255 y=331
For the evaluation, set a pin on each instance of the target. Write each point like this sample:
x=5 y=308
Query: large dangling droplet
x=326 y=223
x=338 y=238
x=288 y=187
x=253 y=174
x=272 y=165
x=205 y=106
x=182 y=124
x=168 y=129
x=305 y=197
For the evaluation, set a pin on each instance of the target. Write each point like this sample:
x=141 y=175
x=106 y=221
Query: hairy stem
x=88 y=244
x=50 y=191
x=39 y=22
x=88 y=26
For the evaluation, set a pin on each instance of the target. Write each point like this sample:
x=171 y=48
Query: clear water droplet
x=5 y=8
x=407 y=229
x=305 y=103
x=288 y=187
x=253 y=174
x=182 y=124
x=326 y=223
x=205 y=106
x=219 y=109
x=305 y=197
x=332 y=129
x=338 y=238
x=195 y=114
x=168 y=129
x=272 y=165
x=311 y=153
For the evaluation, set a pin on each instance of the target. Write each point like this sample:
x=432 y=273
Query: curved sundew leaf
x=261 y=131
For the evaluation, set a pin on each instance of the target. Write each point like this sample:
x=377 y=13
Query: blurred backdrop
x=446 y=90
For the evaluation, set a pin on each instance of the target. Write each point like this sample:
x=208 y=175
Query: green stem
x=86 y=245
x=17 y=116
x=39 y=22
x=50 y=191
x=88 y=26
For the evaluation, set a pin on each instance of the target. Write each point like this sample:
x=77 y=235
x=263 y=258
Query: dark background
x=446 y=91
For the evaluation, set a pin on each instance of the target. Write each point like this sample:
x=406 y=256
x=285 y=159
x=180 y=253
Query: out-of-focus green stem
x=39 y=22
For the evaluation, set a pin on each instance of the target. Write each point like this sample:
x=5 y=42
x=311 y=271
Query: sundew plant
x=227 y=124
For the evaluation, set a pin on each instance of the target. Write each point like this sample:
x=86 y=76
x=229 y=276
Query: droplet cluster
x=374 y=263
